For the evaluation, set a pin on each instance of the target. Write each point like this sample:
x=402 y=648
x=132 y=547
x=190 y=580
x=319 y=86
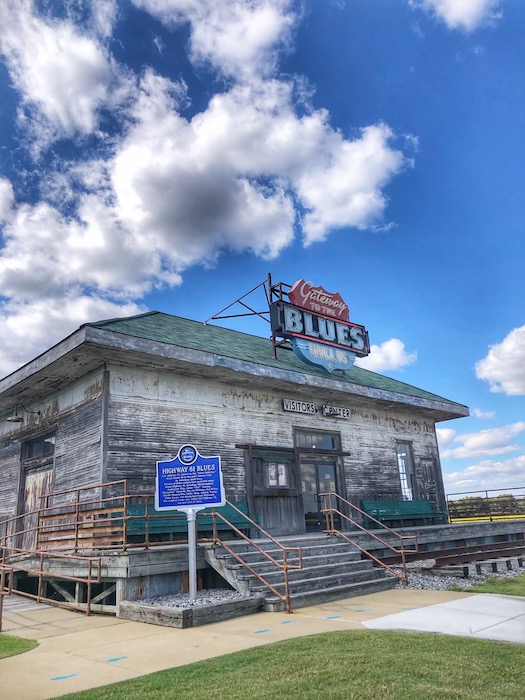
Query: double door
x=316 y=478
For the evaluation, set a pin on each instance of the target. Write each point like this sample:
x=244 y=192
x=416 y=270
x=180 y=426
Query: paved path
x=76 y=652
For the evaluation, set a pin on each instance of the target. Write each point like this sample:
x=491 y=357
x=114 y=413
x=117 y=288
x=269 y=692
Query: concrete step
x=265 y=565
x=289 y=541
x=336 y=547
x=315 y=583
x=315 y=597
x=322 y=569
x=332 y=568
x=291 y=544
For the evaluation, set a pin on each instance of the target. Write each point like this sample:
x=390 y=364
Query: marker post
x=191 y=516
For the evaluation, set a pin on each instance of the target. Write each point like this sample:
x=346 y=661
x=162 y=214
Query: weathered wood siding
x=9 y=484
x=152 y=413
x=78 y=451
x=371 y=468
x=75 y=416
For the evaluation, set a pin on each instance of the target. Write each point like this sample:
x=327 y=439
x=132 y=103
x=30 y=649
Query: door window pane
x=406 y=470
x=38 y=447
x=317 y=441
x=277 y=474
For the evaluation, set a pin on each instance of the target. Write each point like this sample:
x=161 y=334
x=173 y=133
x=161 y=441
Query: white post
x=192 y=553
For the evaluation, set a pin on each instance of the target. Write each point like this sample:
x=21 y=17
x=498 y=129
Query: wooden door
x=37 y=483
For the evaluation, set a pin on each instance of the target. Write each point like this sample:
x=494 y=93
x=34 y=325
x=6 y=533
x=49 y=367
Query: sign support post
x=191 y=516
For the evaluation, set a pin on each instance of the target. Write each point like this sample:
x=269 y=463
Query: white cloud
x=488 y=474
x=63 y=75
x=485 y=443
x=103 y=16
x=467 y=15
x=226 y=178
x=238 y=38
x=27 y=329
x=478 y=413
x=169 y=190
x=445 y=437
x=504 y=366
x=389 y=355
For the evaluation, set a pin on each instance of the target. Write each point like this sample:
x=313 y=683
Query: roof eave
x=101 y=338
x=443 y=410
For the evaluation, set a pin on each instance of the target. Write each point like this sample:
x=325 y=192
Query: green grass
x=346 y=665
x=10 y=646
x=498 y=584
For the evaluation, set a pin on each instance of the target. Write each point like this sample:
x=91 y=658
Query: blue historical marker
x=189 y=481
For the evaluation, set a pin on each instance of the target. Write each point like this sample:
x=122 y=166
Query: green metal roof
x=183 y=332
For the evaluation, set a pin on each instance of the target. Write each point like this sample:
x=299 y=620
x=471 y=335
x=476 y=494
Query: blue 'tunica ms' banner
x=318 y=354
x=190 y=480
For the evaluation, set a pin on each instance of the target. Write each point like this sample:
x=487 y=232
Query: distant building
x=114 y=397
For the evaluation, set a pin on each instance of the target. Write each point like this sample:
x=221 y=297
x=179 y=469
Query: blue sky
x=168 y=154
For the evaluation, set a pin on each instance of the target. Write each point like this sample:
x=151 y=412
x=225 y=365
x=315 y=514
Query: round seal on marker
x=188 y=454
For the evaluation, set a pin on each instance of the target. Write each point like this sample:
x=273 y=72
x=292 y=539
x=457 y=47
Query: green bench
x=175 y=523
x=402 y=512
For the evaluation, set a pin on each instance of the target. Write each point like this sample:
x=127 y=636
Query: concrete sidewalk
x=77 y=652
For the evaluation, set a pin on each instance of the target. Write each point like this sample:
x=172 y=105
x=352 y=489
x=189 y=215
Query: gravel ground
x=206 y=597
x=432 y=582
x=416 y=580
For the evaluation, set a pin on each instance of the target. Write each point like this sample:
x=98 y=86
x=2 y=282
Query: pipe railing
x=331 y=511
x=81 y=522
x=39 y=564
x=285 y=566
x=486 y=504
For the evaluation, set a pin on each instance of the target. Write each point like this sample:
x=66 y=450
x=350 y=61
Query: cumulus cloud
x=238 y=38
x=478 y=413
x=504 y=366
x=466 y=15
x=485 y=443
x=63 y=75
x=28 y=329
x=445 y=437
x=172 y=188
x=488 y=474
x=47 y=255
x=389 y=355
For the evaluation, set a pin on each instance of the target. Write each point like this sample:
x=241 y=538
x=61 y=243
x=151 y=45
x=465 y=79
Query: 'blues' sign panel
x=190 y=480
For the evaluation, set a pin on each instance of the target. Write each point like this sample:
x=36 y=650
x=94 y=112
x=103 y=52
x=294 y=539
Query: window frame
x=279 y=483
x=27 y=454
x=301 y=436
x=407 y=477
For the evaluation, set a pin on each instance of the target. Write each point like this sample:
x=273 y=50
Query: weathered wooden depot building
x=116 y=396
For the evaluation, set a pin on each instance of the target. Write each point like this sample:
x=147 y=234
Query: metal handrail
x=285 y=566
x=79 y=489
x=9 y=564
x=487 y=506
x=331 y=511
x=70 y=522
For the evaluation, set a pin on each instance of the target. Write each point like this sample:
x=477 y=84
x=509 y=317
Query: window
x=317 y=441
x=405 y=465
x=277 y=473
x=43 y=446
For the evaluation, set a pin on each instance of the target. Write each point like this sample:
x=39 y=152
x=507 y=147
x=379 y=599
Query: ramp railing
x=48 y=568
